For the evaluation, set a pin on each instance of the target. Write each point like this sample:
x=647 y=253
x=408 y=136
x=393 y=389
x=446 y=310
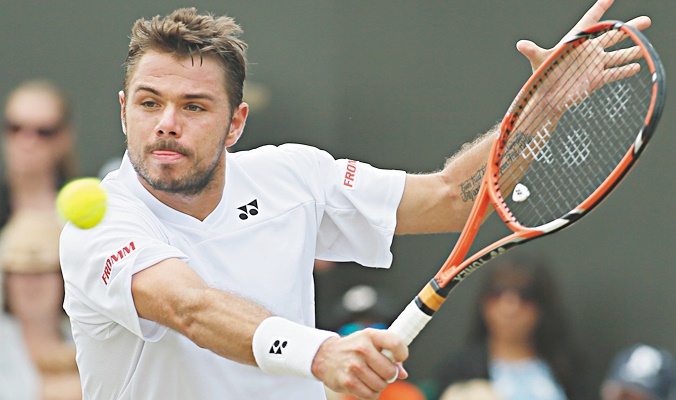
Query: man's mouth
x=166 y=155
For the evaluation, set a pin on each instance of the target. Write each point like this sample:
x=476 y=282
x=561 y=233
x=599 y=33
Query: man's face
x=178 y=122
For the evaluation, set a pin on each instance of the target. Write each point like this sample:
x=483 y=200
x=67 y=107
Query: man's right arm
x=174 y=295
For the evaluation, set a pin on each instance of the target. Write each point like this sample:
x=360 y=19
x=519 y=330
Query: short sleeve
x=357 y=206
x=98 y=265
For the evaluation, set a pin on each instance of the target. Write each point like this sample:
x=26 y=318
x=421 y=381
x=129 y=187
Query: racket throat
x=432 y=296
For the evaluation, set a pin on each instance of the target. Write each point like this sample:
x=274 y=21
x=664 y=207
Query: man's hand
x=536 y=54
x=356 y=365
x=583 y=70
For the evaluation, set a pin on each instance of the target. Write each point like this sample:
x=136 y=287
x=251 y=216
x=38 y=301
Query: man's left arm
x=441 y=201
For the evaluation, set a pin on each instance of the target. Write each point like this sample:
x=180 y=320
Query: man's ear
x=237 y=124
x=120 y=95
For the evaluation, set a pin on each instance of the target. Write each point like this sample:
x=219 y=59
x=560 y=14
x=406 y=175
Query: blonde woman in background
x=38 y=358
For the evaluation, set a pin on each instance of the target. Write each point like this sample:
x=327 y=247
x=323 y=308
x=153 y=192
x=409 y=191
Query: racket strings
x=550 y=167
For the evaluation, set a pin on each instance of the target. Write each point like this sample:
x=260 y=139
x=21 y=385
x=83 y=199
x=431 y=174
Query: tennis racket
x=569 y=137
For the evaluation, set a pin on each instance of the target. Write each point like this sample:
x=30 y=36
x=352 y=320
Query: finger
x=640 y=23
x=623 y=56
x=591 y=17
x=401 y=371
x=373 y=378
x=611 y=38
x=387 y=369
x=386 y=340
x=615 y=36
x=529 y=49
x=356 y=386
x=615 y=74
x=392 y=351
x=390 y=356
x=534 y=53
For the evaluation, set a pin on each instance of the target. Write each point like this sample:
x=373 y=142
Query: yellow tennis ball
x=82 y=202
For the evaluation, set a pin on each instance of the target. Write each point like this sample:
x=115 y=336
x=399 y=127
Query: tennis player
x=198 y=282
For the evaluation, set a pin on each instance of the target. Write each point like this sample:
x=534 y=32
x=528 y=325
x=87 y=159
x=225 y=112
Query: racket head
x=573 y=161
x=606 y=85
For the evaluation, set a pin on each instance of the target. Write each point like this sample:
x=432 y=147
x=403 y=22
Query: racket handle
x=407 y=325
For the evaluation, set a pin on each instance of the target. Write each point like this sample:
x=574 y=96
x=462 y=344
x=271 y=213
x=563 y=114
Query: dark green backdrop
x=399 y=84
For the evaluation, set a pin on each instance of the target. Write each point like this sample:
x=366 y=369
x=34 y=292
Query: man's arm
x=174 y=295
x=441 y=201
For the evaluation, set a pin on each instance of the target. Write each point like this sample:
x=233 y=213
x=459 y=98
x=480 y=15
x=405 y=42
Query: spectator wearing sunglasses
x=38 y=147
x=519 y=340
x=37 y=355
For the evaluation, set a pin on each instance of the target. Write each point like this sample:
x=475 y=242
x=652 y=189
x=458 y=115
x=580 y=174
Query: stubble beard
x=192 y=182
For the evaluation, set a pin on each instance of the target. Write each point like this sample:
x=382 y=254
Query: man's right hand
x=355 y=364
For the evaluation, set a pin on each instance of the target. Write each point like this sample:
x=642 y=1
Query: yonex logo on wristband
x=277 y=346
x=281 y=346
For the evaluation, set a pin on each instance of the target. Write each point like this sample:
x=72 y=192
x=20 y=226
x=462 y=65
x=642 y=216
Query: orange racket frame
x=416 y=315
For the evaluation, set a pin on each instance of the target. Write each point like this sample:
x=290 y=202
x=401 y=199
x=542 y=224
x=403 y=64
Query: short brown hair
x=188 y=34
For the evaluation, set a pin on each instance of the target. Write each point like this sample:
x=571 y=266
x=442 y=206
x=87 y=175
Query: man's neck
x=198 y=205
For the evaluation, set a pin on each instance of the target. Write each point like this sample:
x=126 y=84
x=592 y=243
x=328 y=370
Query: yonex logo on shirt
x=277 y=346
x=249 y=209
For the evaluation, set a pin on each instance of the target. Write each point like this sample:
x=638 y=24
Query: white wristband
x=281 y=346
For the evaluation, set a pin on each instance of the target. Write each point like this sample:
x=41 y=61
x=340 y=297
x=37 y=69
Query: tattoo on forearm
x=517 y=143
x=470 y=188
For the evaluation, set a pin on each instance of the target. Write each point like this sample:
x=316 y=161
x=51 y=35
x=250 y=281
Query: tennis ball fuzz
x=82 y=202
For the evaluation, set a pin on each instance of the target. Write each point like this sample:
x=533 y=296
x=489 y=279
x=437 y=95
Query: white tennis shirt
x=282 y=207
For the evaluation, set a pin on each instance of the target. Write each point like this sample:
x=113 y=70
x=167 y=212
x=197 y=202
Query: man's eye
x=149 y=104
x=194 y=107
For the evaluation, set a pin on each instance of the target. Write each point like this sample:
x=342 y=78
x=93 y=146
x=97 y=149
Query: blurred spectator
x=520 y=339
x=361 y=307
x=38 y=147
x=37 y=356
x=640 y=372
x=475 y=389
